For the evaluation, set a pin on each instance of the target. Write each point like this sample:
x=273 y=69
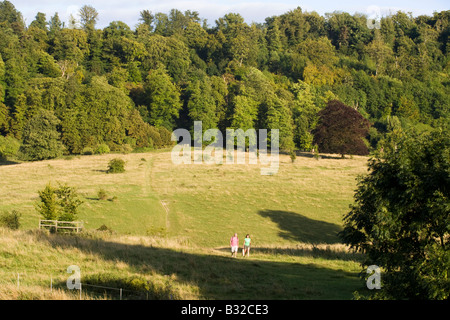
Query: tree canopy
x=401 y=217
x=174 y=69
x=341 y=129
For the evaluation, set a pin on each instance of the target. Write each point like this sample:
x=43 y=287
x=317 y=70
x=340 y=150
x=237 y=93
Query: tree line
x=85 y=89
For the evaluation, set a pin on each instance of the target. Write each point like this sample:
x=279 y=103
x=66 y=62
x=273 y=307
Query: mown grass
x=171 y=227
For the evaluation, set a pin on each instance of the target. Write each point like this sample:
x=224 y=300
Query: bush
x=102 y=195
x=293 y=156
x=126 y=148
x=87 y=151
x=10 y=220
x=104 y=228
x=102 y=149
x=116 y=166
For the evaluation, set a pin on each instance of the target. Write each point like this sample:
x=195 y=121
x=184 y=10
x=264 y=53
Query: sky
x=252 y=10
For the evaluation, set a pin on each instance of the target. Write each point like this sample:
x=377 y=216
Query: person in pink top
x=234 y=244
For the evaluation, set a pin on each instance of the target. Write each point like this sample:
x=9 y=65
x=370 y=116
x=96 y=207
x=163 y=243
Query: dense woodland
x=127 y=87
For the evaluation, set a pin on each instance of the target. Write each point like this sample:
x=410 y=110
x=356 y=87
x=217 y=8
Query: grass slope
x=172 y=225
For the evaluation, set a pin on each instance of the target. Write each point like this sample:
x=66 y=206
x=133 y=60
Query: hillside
x=171 y=224
x=128 y=87
x=304 y=202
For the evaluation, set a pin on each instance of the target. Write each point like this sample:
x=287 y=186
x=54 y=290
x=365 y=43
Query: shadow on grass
x=209 y=276
x=323 y=252
x=100 y=170
x=4 y=162
x=298 y=228
x=322 y=156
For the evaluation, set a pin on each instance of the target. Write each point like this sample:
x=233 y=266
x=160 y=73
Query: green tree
x=245 y=112
x=11 y=17
x=9 y=147
x=305 y=116
x=4 y=119
x=380 y=53
x=41 y=139
x=163 y=99
x=88 y=17
x=48 y=206
x=68 y=202
x=55 y=24
x=71 y=45
x=58 y=203
x=147 y=19
x=293 y=26
x=201 y=105
x=103 y=114
x=400 y=218
x=169 y=52
x=40 y=21
x=279 y=116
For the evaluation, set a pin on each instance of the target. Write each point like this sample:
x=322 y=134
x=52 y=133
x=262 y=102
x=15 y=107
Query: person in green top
x=246 y=248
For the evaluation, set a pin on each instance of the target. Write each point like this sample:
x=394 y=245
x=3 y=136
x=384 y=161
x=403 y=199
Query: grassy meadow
x=169 y=228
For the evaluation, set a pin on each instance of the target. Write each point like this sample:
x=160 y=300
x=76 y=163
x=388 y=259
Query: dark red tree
x=341 y=129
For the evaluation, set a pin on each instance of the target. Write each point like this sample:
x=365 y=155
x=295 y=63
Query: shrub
x=104 y=228
x=293 y=156
x=102 y=195
x=87 y=151
x=126 y=148
x=316 y=152
x=10 y=220
x=102 y=149
x=116 y=166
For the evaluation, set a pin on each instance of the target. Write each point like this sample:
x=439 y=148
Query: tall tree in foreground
x=401 y=218
x=341 y=129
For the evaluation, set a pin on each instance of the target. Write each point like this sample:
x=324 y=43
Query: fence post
x=120 y=293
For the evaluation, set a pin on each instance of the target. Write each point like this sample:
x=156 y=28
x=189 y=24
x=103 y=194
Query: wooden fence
x=56 y=225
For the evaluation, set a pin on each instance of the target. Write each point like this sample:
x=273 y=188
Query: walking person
x=234 y=244
x=246 y=248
